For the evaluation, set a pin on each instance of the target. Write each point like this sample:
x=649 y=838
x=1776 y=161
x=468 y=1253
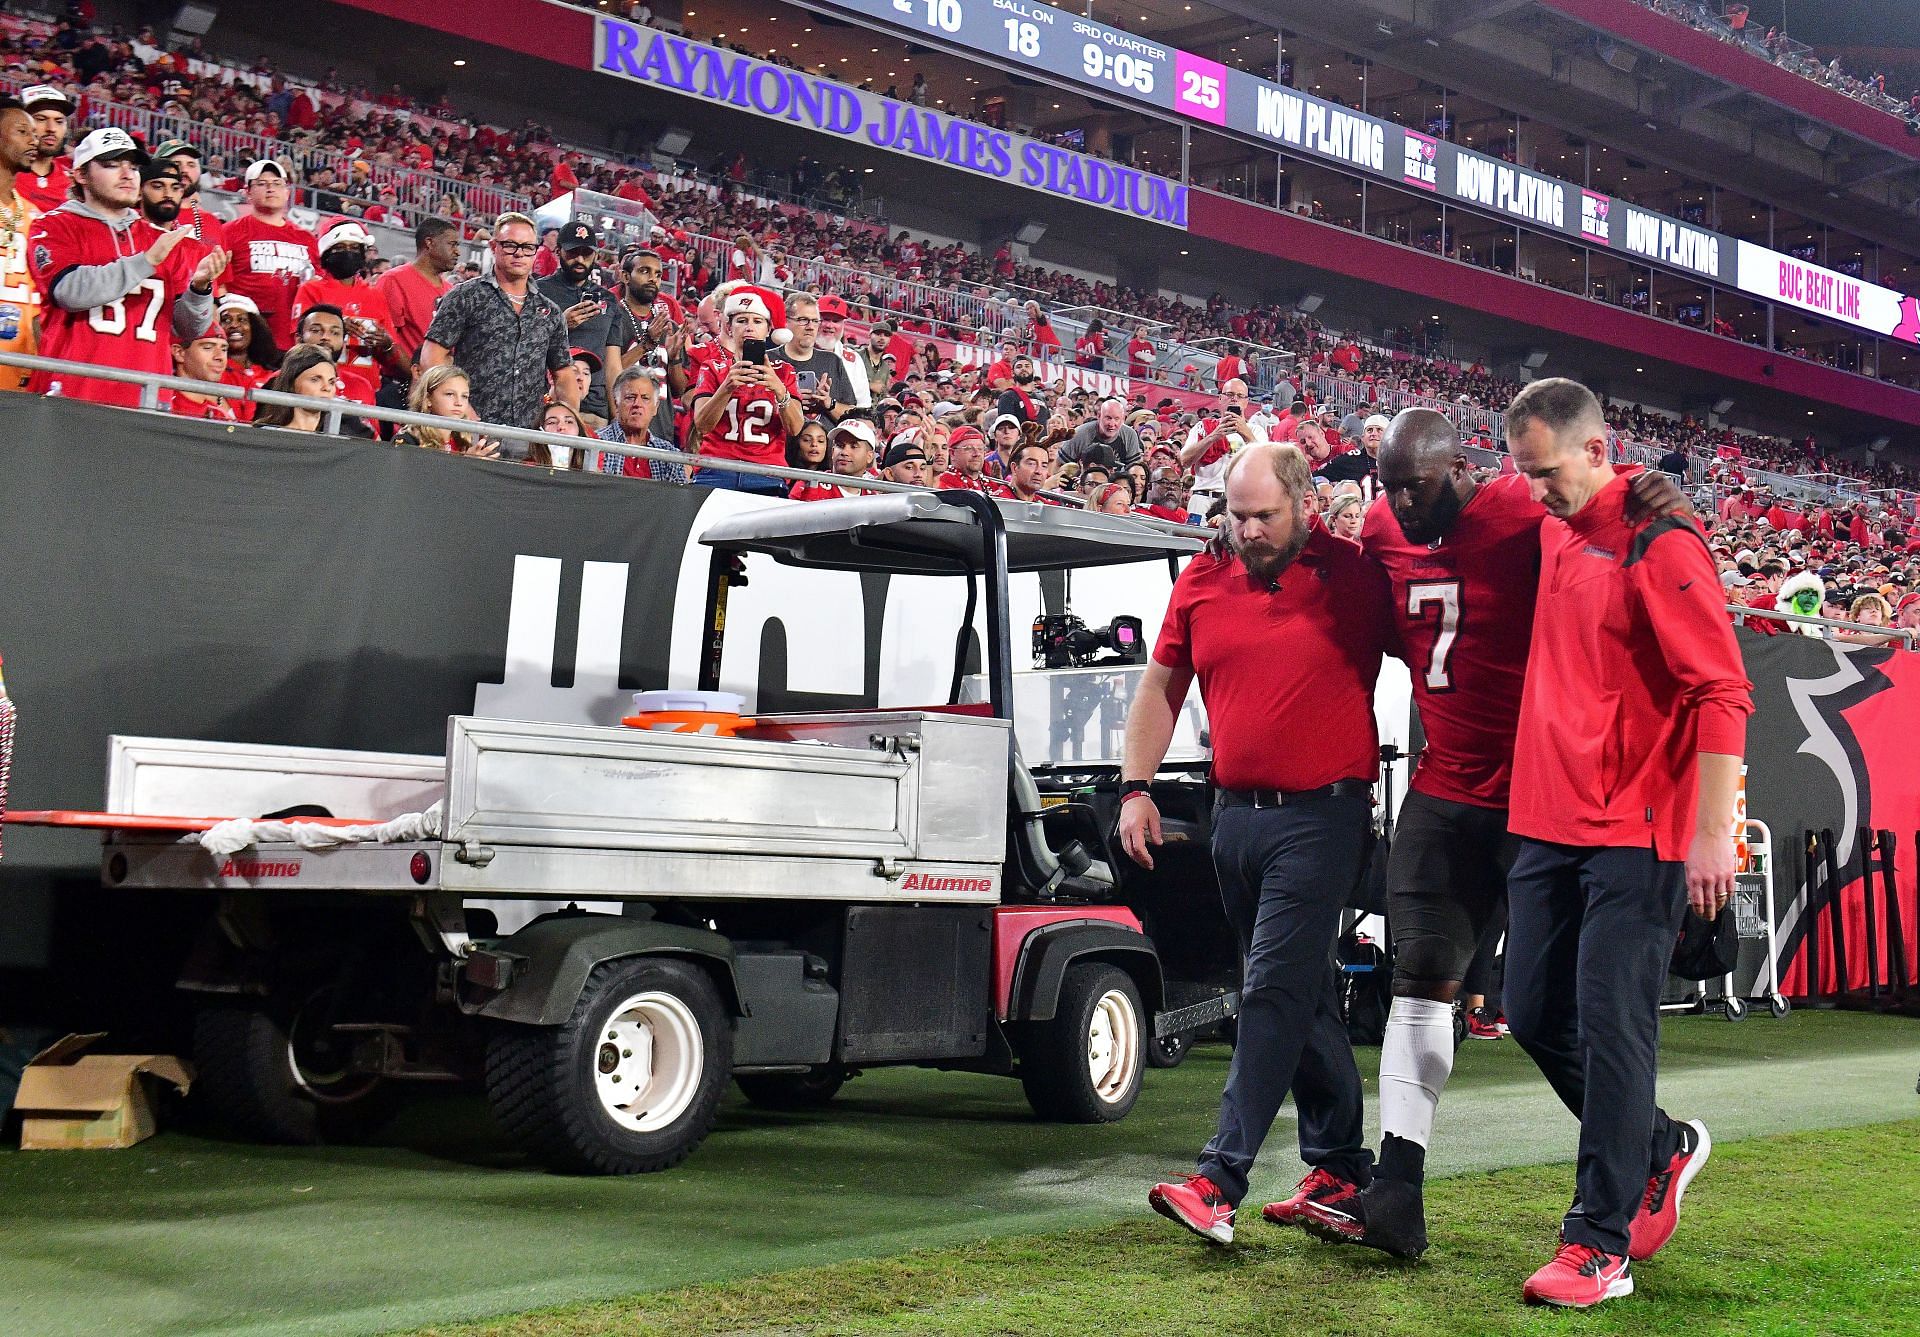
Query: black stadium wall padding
x=172 y=578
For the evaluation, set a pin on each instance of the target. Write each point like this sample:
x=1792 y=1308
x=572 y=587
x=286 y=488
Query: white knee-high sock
x=1416 y=1056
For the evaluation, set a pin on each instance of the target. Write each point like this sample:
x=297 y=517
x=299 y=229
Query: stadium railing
x=335 y=411
x=419 y=193
x=1829 y=628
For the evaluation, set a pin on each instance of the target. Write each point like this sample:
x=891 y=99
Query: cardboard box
x=74 y=1101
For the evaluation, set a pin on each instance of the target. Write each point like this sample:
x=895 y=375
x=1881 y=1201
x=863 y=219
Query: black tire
x=1170 y=1052
x=1055 y=1066
x=1778 y=1005
x=247 y=1077
x=543 y=1081
x=1736 y=1009
x=793 y=1090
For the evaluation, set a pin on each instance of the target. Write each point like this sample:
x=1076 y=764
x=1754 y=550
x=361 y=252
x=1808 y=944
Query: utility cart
x=818 y=894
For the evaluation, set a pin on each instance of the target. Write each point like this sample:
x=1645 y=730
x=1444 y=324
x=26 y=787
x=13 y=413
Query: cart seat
x=1070 y=872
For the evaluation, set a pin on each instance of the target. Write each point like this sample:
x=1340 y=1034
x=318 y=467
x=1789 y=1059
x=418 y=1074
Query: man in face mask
x=597 y=319
x=362 y=306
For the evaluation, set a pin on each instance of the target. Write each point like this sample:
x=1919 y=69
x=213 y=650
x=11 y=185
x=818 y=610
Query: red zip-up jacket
x=1633 y=670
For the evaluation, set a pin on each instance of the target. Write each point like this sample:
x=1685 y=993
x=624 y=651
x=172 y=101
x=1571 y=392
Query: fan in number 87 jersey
x=107 y=298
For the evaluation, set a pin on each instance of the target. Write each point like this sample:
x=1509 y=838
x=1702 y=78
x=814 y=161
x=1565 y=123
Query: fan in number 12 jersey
x=116 y=289
x=745 y=418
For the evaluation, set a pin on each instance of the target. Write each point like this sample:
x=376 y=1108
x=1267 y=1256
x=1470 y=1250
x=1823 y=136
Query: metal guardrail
x=334 y=412
x=1908 y=638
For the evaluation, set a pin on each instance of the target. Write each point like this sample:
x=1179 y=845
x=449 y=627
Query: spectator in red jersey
x=109 y=276
x=546 y=260
x=325 y=326
x=370 y=351
x=186 y=160
x=1000 y=370
x=1165 y=500
x=161 y=192
x=46 y=182
x=201 y=359
x=853 y=444
x=1782 y=516
x=968 y=451
x=1090 y=349
x=745 y=408
x=1140 y=354
x=252 y=356
x=1040 y=332
x=411 y=291
x=1230 y=367
x=272 y=255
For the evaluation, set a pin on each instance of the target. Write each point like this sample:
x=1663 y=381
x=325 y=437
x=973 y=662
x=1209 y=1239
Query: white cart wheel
x=648 y=1061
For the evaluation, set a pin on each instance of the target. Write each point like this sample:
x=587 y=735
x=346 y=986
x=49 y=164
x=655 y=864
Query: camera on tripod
x=1061 y=640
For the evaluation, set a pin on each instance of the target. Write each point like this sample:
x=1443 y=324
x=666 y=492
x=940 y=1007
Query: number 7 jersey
x=133 y=332
x=1464 y=607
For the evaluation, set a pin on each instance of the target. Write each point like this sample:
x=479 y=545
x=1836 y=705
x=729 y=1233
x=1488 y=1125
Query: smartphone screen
x=753 y=350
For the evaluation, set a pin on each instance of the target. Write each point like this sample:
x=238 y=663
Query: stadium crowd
x=1732 y=23
x=738 y=358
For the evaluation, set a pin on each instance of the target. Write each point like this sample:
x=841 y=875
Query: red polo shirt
x=1286 y=673
x=1633 y=671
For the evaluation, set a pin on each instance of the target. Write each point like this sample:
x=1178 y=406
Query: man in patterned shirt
x=503 y=332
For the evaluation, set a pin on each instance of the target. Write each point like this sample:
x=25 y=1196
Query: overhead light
x=458 y=63
x=1183 y=252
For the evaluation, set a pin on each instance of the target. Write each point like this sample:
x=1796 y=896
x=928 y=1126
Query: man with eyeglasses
x=1211 y=444
x=825 y=391
x=833 y=324
x=503 y=331
x=272 y=255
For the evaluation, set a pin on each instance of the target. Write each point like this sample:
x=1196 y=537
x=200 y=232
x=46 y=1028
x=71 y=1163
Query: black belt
x=1279 y=798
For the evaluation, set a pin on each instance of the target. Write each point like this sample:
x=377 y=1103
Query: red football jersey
x=269 y=263
x=360 y=300
x=986 y=483
x=251 y=377
x=214 y=410
x=134 y=332
x=48 y=192
x=750 y=428
x=1465 y=609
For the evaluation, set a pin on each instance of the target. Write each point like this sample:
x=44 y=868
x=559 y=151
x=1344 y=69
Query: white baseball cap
x=857 y=428
x=109 y=141
x=254 y=169
x=41 y=95
x=234 y=301
x=345 y=233
x=1376 y=420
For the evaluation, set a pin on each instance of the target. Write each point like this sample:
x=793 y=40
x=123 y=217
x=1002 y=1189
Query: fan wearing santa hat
x=344 y=247
x=745 y=408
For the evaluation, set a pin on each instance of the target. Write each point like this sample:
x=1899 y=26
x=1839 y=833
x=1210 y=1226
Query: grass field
x=441 y=1222
x=1810 y=1233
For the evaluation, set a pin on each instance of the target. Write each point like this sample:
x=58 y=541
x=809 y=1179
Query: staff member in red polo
x=1632 y=724
x=1285 y=633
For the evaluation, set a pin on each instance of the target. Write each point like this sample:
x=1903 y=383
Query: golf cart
x=813 y=895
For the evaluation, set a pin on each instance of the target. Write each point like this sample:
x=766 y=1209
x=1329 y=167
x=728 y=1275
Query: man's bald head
x=1424 y=474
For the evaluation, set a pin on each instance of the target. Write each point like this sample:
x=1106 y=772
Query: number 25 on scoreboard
x=1200 y=88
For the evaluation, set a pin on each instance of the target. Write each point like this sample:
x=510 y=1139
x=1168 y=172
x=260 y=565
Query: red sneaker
x=1482 y=1025
x=1320 y=1186
x=1659 y=1212
x=1196 y=1204
x=1579 y=1277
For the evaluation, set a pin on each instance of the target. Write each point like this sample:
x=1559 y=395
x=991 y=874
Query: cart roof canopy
x=917 y=533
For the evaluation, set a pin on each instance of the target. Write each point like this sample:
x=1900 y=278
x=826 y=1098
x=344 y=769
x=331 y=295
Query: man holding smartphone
x=596 y=318
x=826 y=391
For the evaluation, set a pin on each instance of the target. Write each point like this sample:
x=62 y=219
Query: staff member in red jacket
x=1285 y=634
x=1632 y=726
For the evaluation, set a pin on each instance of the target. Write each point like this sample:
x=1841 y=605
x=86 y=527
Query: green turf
x=1809 y=1233
x=444 y=1223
